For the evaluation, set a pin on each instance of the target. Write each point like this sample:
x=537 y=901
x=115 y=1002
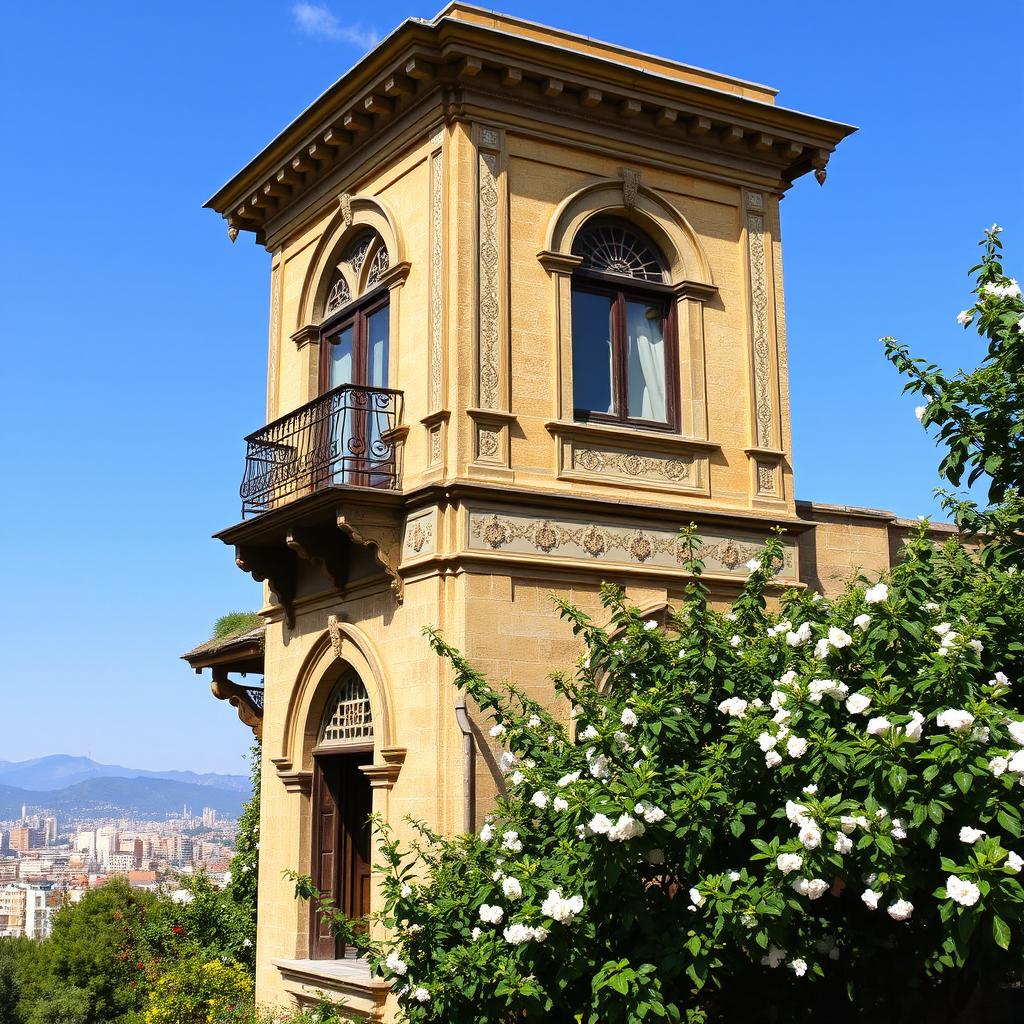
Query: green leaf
x=963 y=781
x=1000 y=932
x=898 y=779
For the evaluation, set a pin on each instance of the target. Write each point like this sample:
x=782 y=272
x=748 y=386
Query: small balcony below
x=346 y=437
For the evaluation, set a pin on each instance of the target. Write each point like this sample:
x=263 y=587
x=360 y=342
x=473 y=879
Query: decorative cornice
x=695 y=290
x=305 y=335
x=422 y=58
x=385 y=775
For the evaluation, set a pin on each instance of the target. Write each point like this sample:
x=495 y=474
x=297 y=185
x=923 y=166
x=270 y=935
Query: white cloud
x=317 y=20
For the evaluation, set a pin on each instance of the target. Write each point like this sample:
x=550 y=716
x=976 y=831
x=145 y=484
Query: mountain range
x=79 y=787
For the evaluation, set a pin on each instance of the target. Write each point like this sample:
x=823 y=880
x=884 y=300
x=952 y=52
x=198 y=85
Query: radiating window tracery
x=348 y=718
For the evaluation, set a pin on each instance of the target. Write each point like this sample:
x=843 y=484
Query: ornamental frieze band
x=612 y=543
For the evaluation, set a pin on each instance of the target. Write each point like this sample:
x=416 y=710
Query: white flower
x=497 y=730
x=476 y=933
x=589 y=733
x=506 y=761
x=651 y=814
x=955 y=720
x=862 y=621
x=533 y=721
x=628 y=718
x=600 y=824
x=406 y=891
x=876 y=594
x=811 y=790
x=839 y=638
x=1014 y=862
x=800 y=636
x=766 y=741
x=995 y=230
x=517 y=777
x=1000 y=679
x=796 y=746
x=650 y=624
x=810 y=836
x=900 y=910
x=731 y=616
x=998 y=765
x=980 y=734
x=774 y=957
x=878 y=726
x=971 y=835
x=517 y=934
x=772 y=758
x=847 y=824
x=734 y=707
x=964 y=317
x=753 y=565
x=560 y=804
x=510 y=841
x=512 y=888
x=919 y=412
x=1002 y=291
x=942 y=628
x=1016 y=764
x=625 y=828
x=421 y=995
x=843 y=844
x=395 y=964
x=559 y=909
x=798 y=966
x=821 y=649
x=796 y=813
x=898 y=831
x=735 y=640
x=539 y=799
x=600 y=767
x=567 y=780
x=1016 y=731
x=913 y=728
x=871 y=898
x=857 y=703
x=695 y=897
x=961 y=891
x=491 y=915
x=777 y=699
x=788 y=862
x=486 y=833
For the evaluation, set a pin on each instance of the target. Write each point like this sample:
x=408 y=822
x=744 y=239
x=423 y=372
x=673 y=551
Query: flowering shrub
x=197 y=990
x=803 y=811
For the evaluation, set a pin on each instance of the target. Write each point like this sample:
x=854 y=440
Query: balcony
x=321 y=496
x=346 y=437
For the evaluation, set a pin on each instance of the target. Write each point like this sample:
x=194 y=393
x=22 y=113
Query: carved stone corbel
x=334 y=632
x=384 y=775
x=277 y=568
x=240 y=698
x=630 y=186
x=382 y=538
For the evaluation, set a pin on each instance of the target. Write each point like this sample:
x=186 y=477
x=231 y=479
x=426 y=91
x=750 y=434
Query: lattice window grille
x=356 y=255
x=348 y=718
x=615 y=249
x=377 y=266
x=338 y=295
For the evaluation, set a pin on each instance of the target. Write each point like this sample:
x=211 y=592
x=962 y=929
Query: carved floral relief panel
x=612 y=542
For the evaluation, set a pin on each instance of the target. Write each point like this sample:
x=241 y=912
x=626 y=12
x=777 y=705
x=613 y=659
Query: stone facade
x=474 y=147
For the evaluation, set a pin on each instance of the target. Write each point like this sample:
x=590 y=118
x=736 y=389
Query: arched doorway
x=341 y=806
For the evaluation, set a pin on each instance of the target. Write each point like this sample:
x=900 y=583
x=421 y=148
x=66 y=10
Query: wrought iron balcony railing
x=345 y=437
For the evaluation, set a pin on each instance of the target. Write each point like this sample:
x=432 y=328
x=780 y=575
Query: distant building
x=209 y=817
x=24 y=838
x=26 y=909
x=120 y=863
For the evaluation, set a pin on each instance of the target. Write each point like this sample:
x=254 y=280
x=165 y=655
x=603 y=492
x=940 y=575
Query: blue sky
x=134 y=334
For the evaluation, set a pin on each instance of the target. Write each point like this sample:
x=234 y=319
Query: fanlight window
x=616 y=248
x=348 y=718
x=364 y=260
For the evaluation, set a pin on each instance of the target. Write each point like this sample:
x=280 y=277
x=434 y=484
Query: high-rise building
x=24 y=838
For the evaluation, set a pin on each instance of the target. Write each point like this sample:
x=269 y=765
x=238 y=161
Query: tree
x=11 y=955
x=97 y=956
x=979 y=415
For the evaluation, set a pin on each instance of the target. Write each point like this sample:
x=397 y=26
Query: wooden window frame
x=622 y=290
x=355 y=314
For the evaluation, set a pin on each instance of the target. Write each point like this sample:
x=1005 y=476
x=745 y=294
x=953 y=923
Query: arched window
x=356 y=322
x=623 y=328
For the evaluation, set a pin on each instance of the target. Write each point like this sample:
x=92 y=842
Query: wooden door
x=342 y=803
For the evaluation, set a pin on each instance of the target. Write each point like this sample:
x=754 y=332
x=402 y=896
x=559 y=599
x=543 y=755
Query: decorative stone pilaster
x=765 y=451
x=491 y=419
x=436 y=421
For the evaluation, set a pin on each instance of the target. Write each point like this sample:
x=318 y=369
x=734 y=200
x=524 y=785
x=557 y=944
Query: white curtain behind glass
x=646 y=369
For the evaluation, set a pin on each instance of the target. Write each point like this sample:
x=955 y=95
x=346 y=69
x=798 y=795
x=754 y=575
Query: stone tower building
x=526 y=321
